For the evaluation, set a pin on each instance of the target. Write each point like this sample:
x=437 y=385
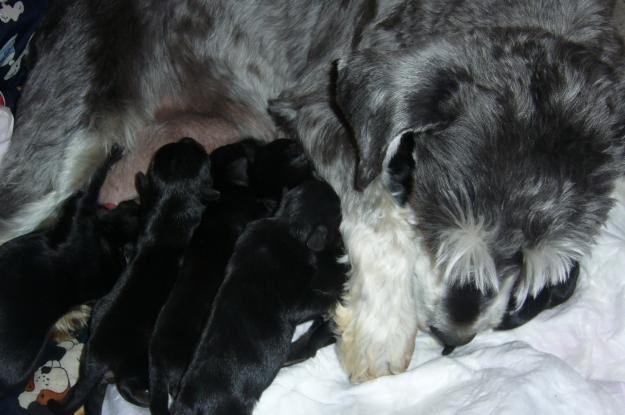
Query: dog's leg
x=377 y=322
x=66 y=115
x=159 y=387
x=93 y=404
x=134 y=389
x=319 y=335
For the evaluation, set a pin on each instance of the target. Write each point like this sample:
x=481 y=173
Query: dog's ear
x=144 y=190
x=384 y=96
x=209 y=194
x=237 y=172
x=399 y=166
x=317 y=239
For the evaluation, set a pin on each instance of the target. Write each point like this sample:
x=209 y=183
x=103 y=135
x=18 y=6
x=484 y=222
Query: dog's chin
x=436 y=320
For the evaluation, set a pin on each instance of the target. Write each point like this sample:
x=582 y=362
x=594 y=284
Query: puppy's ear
x=318 y=238
x=236 y=172
x=384 y=96
x=209 y=194
x=142 y=184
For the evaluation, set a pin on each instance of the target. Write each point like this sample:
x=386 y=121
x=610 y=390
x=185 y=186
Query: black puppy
x=180 y=322
x=548 y=297
x=283 y=271
x=45 y=273
x=173 y=196
x=279 y=165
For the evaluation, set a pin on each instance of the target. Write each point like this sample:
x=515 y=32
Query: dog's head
x=280 y=164
x=313 y=211
x=118 y=230
x=181 y=168
x=505 y=146
x=230 y=165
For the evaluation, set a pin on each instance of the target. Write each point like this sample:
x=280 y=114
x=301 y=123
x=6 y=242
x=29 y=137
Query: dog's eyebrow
x=464 y=256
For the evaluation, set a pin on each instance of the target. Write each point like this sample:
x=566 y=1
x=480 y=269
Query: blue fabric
x=18 y=22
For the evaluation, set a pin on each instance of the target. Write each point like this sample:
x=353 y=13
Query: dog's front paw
x=374 y=343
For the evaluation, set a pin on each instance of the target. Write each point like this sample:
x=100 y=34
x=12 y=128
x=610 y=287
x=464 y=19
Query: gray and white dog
x=474 y=143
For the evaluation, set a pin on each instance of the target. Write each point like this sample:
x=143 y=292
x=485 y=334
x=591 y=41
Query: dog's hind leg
x=134 y=389
x=63 y=124
x=319 y=335
x=159 y=388
x=93 y=404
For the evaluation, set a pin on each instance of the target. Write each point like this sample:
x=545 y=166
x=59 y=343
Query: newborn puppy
x=279 y=165
x=180 y=322
x=549 y=297
x=173 y=195
x=283 y=271
x=45 y=273
x=231 y=164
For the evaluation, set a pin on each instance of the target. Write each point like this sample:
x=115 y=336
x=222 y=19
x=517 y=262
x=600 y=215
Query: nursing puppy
x=549 y=297
x=474 y=152
x=283 y=272
x=45 y=273
x=279 y=165
x=173 y=195
x=180 y=322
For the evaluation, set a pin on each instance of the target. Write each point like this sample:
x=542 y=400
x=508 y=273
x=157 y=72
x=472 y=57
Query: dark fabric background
x=14 y=38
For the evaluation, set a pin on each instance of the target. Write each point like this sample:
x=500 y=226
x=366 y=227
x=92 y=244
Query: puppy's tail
x=90 y=198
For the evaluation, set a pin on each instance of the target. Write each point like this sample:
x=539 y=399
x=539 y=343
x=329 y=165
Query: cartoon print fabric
x=18 y=22
x=56 y=373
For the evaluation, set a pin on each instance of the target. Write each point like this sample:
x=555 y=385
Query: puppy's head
x=230 y=165
x=313 y=212
x=181 y=168
x=119 y=227
x=280 y=164
x=505 y=146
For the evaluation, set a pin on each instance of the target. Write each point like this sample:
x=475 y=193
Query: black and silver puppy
x=173 y=194
x=283 y=271
x=45 y=273
x=180 y=322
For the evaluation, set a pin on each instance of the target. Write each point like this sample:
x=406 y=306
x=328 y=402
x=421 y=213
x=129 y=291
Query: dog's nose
x=451 y=339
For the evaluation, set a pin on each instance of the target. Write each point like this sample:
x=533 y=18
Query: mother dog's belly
x=211 y=132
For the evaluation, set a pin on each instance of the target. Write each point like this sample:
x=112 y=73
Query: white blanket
x=569 y=360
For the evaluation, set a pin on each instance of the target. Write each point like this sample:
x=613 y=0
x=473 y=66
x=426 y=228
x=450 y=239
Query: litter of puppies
x=205 y=278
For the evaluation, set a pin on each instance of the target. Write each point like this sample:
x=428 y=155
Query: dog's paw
x=372 y=345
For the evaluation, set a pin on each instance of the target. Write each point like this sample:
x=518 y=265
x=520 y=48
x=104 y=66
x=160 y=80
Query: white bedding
x=569 y=360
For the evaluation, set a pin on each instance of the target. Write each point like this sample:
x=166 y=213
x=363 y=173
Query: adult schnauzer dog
x=474 y=143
